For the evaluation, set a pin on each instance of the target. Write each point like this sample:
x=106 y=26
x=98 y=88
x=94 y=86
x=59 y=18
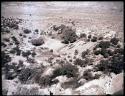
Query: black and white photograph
x=62 y=48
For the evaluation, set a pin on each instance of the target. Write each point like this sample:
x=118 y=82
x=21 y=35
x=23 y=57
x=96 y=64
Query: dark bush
x=119 y=50
x=68 y=70
x=114 y=41
x=71 y=84
x=100 y=38
x=33 y=54
x=37 y=42
x=76 y=52
x=26 y=54
x=51 y=50
x=88 y=40
x=104 y=52
x=84 y=53
x=114 y=65
x=27 y=31
x=89 y=36
x=88 y=75
x=103 y=66
x=110 y=52
x=94 y=39
x=6 y=39
x=97 y=76
x=30 y=60
x=80 y=62
x=36 y=30
x=20 y=34
x=118 y=46
x=5 y=58
x=69 y=35
x=44 y=81
x=97 y=52
x=3 y=44
x=70 y=60
x=104 y=44
x=26 y=75
x=55 y=28
x=12 y=74
x=15 y=40
x=16 y=50
x=117 y=63
x=83 y=35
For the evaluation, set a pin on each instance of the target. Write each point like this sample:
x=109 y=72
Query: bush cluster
x=94 y=39
x=115 y=64
x=68 y=70
x=27 y=31
x=84 y=53
x=114 y=41
x=69 y=35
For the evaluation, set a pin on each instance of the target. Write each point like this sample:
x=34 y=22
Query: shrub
x=110 y=52
x=6 y=39
x=104 y=52
x=24 y=90
x=51 y=50
x=97 y=76
x=20 y=34
x=117 y=64
x=84 y=53
x=104 y=44
x=80 y=62
x=55 y=28
x=9 y=74
x=88 y=40
x=26 y=54
x=3 y=44
x=89 y=36
x=100 y=38
x=5 y=58
x=103 y=66
x=88 y=75
x=68 y=70
x=37 y=42
x=17 y=50
x=30 y=60
x=114 y=65
x=114 y=41
x=83 y=35
x=44 y=81
x=33 y=54
x=76 y=52
x=26 y=74
x=69 y=35
x=15 y=40
x=36 y=30
x=97 y=52
x=119 y=50
x=94 y=39
x=27 y=31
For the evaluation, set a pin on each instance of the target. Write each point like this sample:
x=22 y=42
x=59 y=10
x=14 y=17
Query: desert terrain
x=62 y=48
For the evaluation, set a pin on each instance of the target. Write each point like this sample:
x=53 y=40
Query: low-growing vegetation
x=84 y=53
x=27 y=31
x=68 y=70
